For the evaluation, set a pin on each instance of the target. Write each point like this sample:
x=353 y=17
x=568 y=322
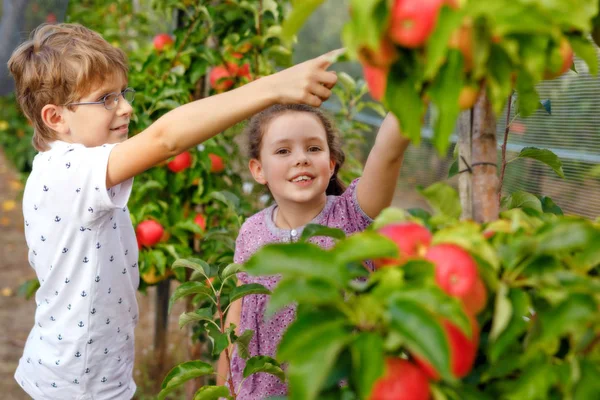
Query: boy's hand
x=308 y=83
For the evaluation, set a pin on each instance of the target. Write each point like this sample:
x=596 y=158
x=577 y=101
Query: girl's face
x=294 y=159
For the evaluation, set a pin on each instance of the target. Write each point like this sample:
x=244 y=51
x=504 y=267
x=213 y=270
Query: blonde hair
x=60 y=64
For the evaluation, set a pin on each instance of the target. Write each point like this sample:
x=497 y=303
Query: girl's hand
x=308 y=83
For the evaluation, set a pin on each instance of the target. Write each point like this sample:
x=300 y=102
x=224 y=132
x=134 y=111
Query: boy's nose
x=123 y=107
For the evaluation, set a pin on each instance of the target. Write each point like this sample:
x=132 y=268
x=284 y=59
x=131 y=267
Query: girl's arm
x=195 y=122
x=233 y=317
x=376 y=187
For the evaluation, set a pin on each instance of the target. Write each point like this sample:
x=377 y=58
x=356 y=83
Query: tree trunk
x=479 y=183
x=161 y=322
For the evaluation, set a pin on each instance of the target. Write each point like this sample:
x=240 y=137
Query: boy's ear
x=257 y=171
x=52 y=117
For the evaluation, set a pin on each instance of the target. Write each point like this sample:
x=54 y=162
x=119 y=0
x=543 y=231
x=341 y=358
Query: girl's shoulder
x=257 y=223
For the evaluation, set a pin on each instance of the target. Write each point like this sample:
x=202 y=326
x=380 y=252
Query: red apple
x=376 y=80
x=220 y=78
x=381 y=57
x=455 y=270
x=402 y=380
x=200 y=221
x=149 y=233
x=475 y=300
x=216 y=163
x=566 y=53
x=411 y=238
x=51 y=18
x=161 y=41
x=462 y=351
x=180 y=162
x=412 y=21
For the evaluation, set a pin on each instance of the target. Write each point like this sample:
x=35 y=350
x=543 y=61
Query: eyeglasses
x=111 y=100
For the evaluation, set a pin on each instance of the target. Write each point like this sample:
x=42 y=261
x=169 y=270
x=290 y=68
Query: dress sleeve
x=348 y=208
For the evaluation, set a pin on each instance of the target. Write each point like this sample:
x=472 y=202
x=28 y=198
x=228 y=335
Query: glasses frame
x=103 y=100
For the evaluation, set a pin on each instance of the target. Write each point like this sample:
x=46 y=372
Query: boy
x=72 y=85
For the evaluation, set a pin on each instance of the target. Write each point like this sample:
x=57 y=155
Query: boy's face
x=94 y=125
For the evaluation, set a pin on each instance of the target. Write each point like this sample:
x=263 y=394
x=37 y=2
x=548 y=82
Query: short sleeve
x=348 y=211
x=77 y=176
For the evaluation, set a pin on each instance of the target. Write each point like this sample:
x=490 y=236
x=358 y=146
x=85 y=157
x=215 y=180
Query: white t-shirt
x=83 y=248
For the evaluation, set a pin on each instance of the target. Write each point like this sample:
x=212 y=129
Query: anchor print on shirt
x=40 y=361
x=107 y=321
x=65 y=250
x=120 y=300
x=77 y=354
x=106 y=350
x=46 y=188
x=35 y=207
x=86 y=260
x=111 y=259
x=69 y=307
x=54 y=385
x=103 y=380
x=81 y=324
x=93 y=311
x=52 y=318
x=34 y=252
x=67 y=280
x=83 y=294
x=57 y=219
x=83 y=229
x=126 y=251
x=124 y=271
x=75 y=381
x=87 y=370
x=98 y=245
x=109 y=290
x=97 y=278
x=91 y=210
x=115 y=225
x=57 y=362
x=97 y=188
x=78 y=190
x=43 y=238
x=90 y=341
x=134 y=265
x=68 y=165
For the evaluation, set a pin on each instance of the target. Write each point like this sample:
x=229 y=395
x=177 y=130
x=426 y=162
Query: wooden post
x=161 y=322
x=480 y=186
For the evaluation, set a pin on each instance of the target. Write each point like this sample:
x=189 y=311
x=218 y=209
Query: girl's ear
x=256 y=170
x=331 y=168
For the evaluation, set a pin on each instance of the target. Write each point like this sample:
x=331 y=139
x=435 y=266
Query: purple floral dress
x=341 y=212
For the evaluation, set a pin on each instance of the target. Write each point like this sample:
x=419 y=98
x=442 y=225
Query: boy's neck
x=294 y=215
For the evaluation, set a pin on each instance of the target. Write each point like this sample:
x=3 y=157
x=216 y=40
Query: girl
x=295 y=151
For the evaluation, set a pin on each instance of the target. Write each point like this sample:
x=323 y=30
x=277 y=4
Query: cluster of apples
x=183 y=161
x=410 y=25
x=223 y=77
x=457 y=275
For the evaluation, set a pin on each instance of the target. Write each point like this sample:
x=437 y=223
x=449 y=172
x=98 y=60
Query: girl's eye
x=314 y=148
x=281 y=151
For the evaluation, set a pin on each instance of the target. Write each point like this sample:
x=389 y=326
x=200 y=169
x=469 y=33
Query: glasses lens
x=110 y=101
x=129 y=95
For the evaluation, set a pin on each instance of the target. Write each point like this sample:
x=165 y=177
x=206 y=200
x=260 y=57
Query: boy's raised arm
x=376 y=187
x=195 y=122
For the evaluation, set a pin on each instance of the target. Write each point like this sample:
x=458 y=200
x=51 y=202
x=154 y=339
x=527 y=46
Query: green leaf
x=503 y=312
x=367 y=361
x=393 y=214
x=437 y=44
x=183 y=373
x=588 y=386
x=203 y=314
x=444 y=93
x=533 y=384
x=296 y=260
x=549 y=206
x=366 y=25
x=313 y=291
x=545 y=156
x=364 y=246
x=190 y=288
x=300 y=12
x=566 y=235
x=243 y=341
x=230 y=270
x=312 y=230
x=422 y=334
x=244 y=290
x=584 y=48
x=573 y=313
x=524 y=200
x=453 y=168
x=194 y=263
x=403 y=98
x=516 y=326
x=212 y=393
x=218 y=339
x=311 y=346
x=443 y=199
x=434 y=300
x=265 y=365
